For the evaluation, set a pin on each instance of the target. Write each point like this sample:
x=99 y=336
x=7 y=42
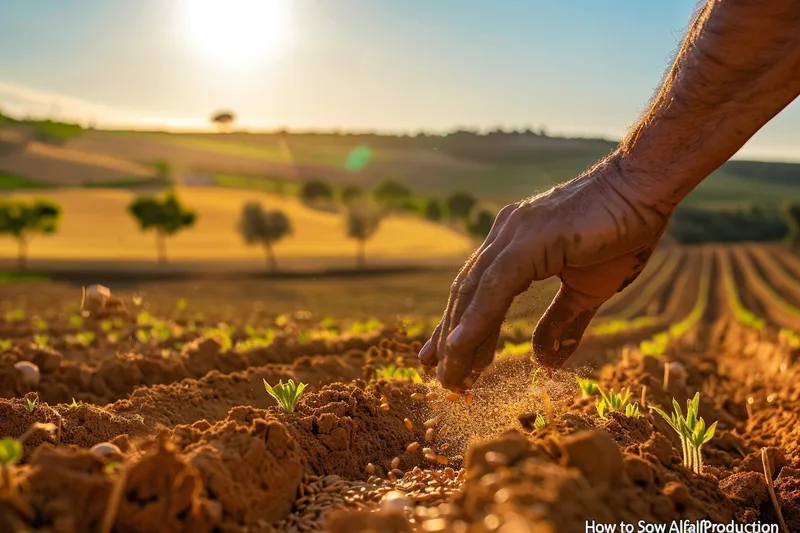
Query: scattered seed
x=430 y=423
x=384 y=399
x=395 y=462
x=427 y=451
x=444 y=446
x=442 y=460
x=417 y=396
x=429 y=434
x=430 y=457
x=408 y=424
x=414 y=446
x=370 y=468
x=468 y=398
x=568 y=342
x=556 y=345
x=392 y=476
x=453 y=396
x=431 y=396
x=450 y=473
x=397 y=472
x=384 y=407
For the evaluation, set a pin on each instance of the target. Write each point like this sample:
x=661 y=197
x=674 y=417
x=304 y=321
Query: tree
x=363 y=219
x=480 y=223
x=460 y=205
x=316 y=190
x=433 y=210
x=223 y=120
x=391 y=193
x=264 y=227
x=791 y=213
x=22 y=220
x=166 y=217
x=351 y=192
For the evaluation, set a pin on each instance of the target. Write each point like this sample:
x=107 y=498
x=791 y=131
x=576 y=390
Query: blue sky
x=575 y=67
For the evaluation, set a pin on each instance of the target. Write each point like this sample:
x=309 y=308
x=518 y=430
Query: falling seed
x=392 y=477
x=450 y=473
x=453 y=396
x=568 y=342
x=384 y=407
x=429 y=434
x=417 y=396
x=442 y=460
x=468 y=398
x=430 y=457
x=427 y=451
x=556 y=345
x=407 y=423
x=431 y=396
x=384 y=399
x=430 y=423
x=414 y=446
x=370 y=468
x=395 y=462
x=444 y=446
x=397 y=472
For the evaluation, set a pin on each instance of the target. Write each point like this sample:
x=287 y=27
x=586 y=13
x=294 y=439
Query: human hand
x=596 y=233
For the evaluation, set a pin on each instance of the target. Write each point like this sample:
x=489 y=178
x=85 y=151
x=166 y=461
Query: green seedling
x=589 y=387
x=41 y=340
x=393 y=372
x=256 y=341
x=511 y=349
x=539 y=375
x=15 y=315
x=691 y=430
x=286 y=394
x=106 y=325
x=74 y=403
x=85 y=338
x=364 y=327
x=181 y=304
x=222 y=335
x=539 y=422
x=613 y=402
x=143 y=335
x=304 y=336
x=40 y=324
x=30 y=404
x=330 y=324
x=10 y=451
x=76 y=321
x=5 y=344
x=632 y=410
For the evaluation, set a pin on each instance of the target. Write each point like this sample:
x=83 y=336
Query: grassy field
x=96 y=226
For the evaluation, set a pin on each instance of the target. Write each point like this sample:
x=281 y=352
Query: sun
x=235 y=34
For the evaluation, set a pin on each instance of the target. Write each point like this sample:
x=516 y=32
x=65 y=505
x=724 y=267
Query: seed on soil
x=384 y=399
x=29 y=371
x=430 y=423
x=414 y=446
x=397 y=472
x=105 y=448
x=395 y=462
x=442 y=460
x=417 y=396
x=427 y=451
x=384 y=407
x=392 y=476
x=370 y=468
x=450 y=473
x=468 y=398
x=429 y=434
x=431 y=457
x=407 y=423
x=431 y=396
x=453 y=396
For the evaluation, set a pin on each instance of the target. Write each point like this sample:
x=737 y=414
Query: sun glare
x=235 y=34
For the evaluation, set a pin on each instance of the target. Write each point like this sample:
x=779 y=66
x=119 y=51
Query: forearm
x=738 y=66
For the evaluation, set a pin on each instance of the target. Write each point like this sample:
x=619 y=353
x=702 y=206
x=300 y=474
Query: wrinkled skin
x=596 y=233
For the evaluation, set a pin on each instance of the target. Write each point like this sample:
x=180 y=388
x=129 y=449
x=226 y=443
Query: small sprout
x=589 y=387
x=632 y=410
x=691 y=430
x=76 y=321
x=10 y=451
x=85 y=338
x=539 y=422
x=5 y=344
x=613 y=402
x=40 y=324
x=143 y=335
x=181 y=304
x=30 y=404
x=286 y=394
x=29 y=372
x=539 y=375
x=74 y=403
x=41 y=340
x=106 y=325
x=111 y=467
x=15 y=315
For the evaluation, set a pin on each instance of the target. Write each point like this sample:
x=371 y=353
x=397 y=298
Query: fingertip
x=427 y=355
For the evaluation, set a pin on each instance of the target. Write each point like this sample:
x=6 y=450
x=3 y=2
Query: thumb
x=559 y=331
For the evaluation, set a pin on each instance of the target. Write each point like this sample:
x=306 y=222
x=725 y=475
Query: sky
x=573 y=67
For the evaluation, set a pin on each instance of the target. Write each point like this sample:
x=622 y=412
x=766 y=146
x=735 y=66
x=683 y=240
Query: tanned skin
x=738 y=66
